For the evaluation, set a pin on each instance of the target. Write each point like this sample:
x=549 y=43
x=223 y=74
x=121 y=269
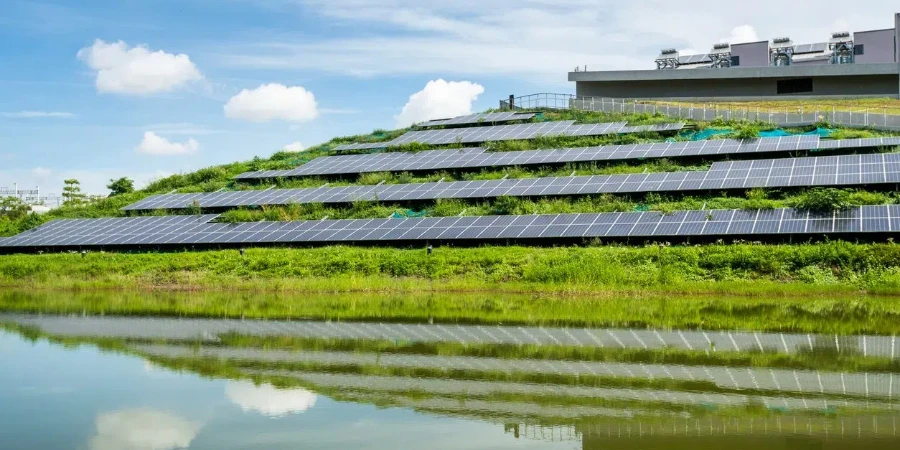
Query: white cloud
x=273 y=102
x=440 y=99
x=294 y=147
x=531 y=39
x=267 y=400
x=741 y=34
x=137 y=70
x=154 y=144
x=142 y=429
x=37 y=115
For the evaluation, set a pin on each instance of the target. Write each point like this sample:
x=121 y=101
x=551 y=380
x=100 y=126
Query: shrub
x=823 y=200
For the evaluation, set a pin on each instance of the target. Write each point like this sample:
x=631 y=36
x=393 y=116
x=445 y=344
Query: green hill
x=732 y=267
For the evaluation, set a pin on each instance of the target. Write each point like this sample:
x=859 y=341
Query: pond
x=105 y=383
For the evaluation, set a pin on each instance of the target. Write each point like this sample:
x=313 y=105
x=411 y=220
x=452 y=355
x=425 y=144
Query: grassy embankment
x=598 y=270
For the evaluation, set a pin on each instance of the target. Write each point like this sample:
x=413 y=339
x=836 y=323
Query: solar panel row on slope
x=473 y=119
x=847 y=170
x=511 y=132
x=196 y=230
x=470 y=158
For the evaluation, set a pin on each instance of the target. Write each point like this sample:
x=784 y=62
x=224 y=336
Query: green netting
x=408 y=213
x=703 y=135
x=824 y=132
x=642 y=208
x=778 y=132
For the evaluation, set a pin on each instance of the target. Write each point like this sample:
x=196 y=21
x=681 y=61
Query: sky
x=95 y=90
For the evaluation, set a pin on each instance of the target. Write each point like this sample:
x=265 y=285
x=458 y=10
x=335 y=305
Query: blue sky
x=96 y=89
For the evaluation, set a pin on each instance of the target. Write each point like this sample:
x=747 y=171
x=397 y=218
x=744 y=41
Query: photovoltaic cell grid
x=844 y=170
x=511 y=132
x=479 y=118
x=194 y=230
x=476 y=157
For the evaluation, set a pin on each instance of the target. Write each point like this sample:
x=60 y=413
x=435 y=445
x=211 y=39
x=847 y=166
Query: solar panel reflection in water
x=476 y=157
x=846 y=170
x=197 y=230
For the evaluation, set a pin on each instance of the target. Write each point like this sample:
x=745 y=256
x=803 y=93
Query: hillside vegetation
x=220 y=177
x=732 y=268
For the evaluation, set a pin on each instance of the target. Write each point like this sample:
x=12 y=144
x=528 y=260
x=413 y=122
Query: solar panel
x=479 y=118
x=198 y=230
x=810 y=48
x=846 y=170
x=470 y=158
x=510 y=132
x=694 y=59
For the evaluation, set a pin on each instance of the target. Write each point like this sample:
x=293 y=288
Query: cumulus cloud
x=741 y=34
x=440 y=99
x=137 y=70
x=294 y=147
x=154 y=144
x=142 y=429
x=267 y=400
x=273 y=102
x=37 y=115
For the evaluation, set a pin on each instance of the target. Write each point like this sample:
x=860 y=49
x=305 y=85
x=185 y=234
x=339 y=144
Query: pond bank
x=738 y=269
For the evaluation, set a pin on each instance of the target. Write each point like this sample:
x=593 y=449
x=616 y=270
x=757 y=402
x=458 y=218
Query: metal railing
x=789 y=116
x=542 y=100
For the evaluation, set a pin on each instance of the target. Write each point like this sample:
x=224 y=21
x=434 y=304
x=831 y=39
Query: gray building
x=849 y=65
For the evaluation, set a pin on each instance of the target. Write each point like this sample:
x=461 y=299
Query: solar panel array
x=511 y=132
x=470 y=158
x=479 y=118
x=197 y=230
x=846 y=170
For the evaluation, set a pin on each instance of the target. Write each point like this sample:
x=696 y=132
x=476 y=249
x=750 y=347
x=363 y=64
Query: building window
x=795 y=86
x=735 y=61
x=859 y=49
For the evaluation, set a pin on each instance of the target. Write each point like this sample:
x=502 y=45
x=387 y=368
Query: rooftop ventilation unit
x=667 y=59
x=781 y=52
x=720 y=55
x=842 y=48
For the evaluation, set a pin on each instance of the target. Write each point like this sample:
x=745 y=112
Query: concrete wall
x=752 y=54
x=811 y=62
x=897 y=38
x=878 y=46
x=847 y=86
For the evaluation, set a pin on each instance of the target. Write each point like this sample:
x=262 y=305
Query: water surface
x=103 y=383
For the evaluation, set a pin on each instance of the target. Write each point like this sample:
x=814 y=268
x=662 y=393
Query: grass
x=875 y=105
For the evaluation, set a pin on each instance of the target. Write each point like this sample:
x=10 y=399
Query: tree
x=72 y=195
x=121 y=186
x=13 y=208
